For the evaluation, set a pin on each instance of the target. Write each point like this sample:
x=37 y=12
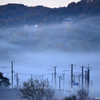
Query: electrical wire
x=23 y=63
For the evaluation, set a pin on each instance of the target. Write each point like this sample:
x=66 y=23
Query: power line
x=7 y=72
x=24 y=74
x=31 y=73
x=4 y=67
x=31 y=64
x=4 y=62
x=23 y=63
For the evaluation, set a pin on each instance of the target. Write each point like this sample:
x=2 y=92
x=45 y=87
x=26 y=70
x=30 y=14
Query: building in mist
x=67 y=21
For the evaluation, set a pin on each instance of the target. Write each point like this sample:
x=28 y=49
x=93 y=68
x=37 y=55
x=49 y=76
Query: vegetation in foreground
x=36 y=90
x=82 y=94
x=40 y=90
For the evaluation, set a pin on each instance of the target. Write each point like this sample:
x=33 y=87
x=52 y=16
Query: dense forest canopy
x=19 y=14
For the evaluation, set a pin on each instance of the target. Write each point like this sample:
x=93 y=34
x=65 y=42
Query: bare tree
x=83 y=94
x=36 y=90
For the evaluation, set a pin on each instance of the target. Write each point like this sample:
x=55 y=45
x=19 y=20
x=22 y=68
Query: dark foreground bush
x=82 y=94
x=36 y=90
x=73 y=97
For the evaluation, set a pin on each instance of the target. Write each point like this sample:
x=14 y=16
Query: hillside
x=19 y=14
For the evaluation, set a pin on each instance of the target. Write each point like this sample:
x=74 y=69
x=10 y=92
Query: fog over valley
x=48 y=45
x=80 y=36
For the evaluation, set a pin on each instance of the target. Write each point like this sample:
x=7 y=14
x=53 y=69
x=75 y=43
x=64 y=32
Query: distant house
x=67 y=21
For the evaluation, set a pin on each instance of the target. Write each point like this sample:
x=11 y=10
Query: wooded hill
x=19 y=14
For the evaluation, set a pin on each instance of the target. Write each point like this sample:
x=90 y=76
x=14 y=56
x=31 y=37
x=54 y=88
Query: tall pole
x=74 y=78
x=55 y=75
x=63 y=80
x=47 y=82
x=59 y=82
x=17 y=80
x=82 y=76
x=88 y=77
x=91 y=84
x=31 y=80
x=79 y=79
x=31 y=77
x=85 y=78
x=71 y=75
x=52 y=79
x=12 y=73
x=42 y=77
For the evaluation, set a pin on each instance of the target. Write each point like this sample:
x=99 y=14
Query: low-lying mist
x=81 y=36
x=54 y=44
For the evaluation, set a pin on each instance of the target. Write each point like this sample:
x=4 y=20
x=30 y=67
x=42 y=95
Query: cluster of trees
x=84 y=7
x=18 y=14
x=36 y=90
x=4 y=81
x=40 y=90
x=82 y=94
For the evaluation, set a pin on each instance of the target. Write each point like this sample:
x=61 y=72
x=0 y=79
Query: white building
x=67 y=21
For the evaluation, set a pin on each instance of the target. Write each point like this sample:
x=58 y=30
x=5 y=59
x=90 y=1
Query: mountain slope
x=18 y=14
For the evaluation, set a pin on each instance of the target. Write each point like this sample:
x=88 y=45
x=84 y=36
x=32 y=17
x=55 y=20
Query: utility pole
x=82 y=76
x=71 y=75
x=31 y=77
x=55 y=75
x=52 y=79
x=63 y=80
x=74 y=78
x=79 y=79
x=47 y=82
x=88 y=77
x=85 y=78
x=12 y=73
x=42 y=77
x=91 y=84
x=31 y=80
x=17 y=80
x=60 y=82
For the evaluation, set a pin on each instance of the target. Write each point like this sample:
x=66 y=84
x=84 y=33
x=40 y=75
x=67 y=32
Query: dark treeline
x=19 y=14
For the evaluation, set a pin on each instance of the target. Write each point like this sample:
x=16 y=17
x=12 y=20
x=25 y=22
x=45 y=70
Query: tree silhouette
x=4 y=81
x=36 y=90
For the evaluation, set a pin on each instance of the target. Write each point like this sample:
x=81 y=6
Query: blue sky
x=47 y=3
